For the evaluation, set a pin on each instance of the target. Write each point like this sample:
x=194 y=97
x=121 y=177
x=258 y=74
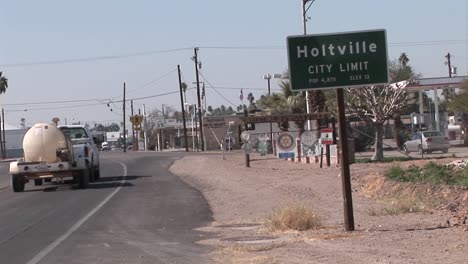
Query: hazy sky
x=83 y=51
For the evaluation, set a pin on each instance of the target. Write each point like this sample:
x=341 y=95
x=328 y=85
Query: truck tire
x=38 y=182
x=17 y=182
x=92 y=176
x=97 y=173
x=83 y=179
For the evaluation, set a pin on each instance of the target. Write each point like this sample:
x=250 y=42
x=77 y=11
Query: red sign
x=326 y=136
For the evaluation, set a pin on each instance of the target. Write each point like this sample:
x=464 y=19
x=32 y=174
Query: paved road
x=4 y=177
x=137 y=213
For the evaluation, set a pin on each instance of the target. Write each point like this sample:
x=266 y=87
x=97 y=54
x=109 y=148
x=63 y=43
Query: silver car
x=427 y=142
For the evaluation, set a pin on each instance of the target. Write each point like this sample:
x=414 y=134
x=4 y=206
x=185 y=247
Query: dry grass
x=263 y=260
x=295 y=217
x=242 y=248
x=402 y=206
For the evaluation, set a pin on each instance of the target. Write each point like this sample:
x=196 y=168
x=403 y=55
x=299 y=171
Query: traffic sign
x=310 y=144
x=245 y=136
x=337 y=60
x=136 y=120
x=247 y=148
x=326 y=136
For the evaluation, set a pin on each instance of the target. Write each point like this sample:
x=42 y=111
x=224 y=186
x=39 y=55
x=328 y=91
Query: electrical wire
x=57 y=102
x=227 y=100
x=148 y=83
x=51 y=108
x=144 y=53
x=91 y=59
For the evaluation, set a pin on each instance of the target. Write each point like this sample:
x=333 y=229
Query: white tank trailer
x=48 y=154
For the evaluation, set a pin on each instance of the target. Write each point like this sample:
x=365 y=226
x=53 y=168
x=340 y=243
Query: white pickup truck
x=56 y=152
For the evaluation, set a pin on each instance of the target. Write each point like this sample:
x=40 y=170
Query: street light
x=304 y=28
x=268 y=78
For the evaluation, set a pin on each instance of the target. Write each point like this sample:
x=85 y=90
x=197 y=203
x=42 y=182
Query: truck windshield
x=74 y=132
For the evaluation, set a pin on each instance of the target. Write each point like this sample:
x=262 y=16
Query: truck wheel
x=17 y=182
x=83 y=179
x=97 y=173
x=38 y=182
x=92 y=176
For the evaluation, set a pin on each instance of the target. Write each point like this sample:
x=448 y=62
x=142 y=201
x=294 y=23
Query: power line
x=50 y=108
x=265 y=47
x=227 y=100
x=57 y=102
x=91 y=59
x=244 y=47
x=148 y=83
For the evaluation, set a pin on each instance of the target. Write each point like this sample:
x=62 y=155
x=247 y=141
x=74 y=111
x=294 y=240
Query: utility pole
x=3 y=134
x=133 y=127
x=124 y=129
x=144 y=129
x=449 y=64
x=2 y=121
x=200 y=118
x=182 y=107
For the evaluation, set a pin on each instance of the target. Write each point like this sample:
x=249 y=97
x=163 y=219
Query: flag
x=241 y=95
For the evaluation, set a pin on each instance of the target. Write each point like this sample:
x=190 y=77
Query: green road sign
x=337 y=60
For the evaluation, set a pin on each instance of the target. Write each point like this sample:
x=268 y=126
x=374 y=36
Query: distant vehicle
x=427 y=142
x=105 y=146
x=56 y=152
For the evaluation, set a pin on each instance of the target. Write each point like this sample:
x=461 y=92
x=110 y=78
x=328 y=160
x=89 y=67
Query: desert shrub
x=296 y=217
x=432 y=173
x=384 y=160
x=396 y=173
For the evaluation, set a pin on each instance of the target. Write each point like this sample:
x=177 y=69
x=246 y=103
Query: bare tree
x=376 y=104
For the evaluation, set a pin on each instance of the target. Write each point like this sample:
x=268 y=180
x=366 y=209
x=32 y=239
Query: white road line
x=43 y=253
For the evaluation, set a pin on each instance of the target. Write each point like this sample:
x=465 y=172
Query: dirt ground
x=242 y=198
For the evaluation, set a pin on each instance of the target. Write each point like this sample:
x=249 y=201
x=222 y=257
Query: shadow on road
x=102 y=183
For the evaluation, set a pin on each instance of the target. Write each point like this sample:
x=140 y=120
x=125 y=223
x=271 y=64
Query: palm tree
x=3 y=83
x=55 y=120
x=296 y=105
x=403 y=59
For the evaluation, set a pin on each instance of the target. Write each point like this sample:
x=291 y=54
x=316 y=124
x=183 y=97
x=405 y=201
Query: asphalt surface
x=136 y=213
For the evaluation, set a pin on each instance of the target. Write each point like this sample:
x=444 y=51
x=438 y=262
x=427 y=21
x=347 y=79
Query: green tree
x=3 y=83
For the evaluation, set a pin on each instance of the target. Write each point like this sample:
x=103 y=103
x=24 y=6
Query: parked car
x=427 y=142
x=105 y=146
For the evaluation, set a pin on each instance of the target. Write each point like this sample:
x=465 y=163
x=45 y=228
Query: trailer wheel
x=17 y=182
x=38 y=182
x=83 y=179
